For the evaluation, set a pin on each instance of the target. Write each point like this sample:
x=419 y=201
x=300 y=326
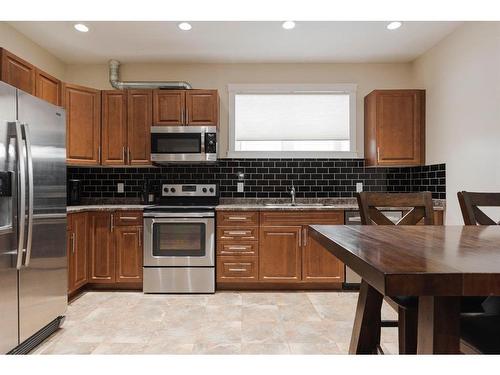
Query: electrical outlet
x=240 y=187
x=120 y=187
x=359 y=187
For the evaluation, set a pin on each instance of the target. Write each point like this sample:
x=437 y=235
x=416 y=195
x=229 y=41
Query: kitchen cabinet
x=48 y=87
x=139 y=121
x=83 y=125
x=116 y=248
x=114 y=127
x=280 y=254
x=273 y=249
x=129 y=254
x=395 y=128
x=185 y=107
x=202 y=107
x=17 y=72
x=102 y=250
x=126 y=127
x=169 y=107
x=77 y=241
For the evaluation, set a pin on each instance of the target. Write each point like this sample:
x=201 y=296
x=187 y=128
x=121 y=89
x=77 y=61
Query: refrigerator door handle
x=21 y=214
x=29 y=241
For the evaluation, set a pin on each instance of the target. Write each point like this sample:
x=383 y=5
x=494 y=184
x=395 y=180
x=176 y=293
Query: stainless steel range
x=179 y=240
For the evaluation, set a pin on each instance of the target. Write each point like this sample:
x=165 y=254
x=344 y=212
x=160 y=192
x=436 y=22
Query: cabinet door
x=79 y=250
x=139 y=120
x=114 y=127
x=17 y=72
x=128 y=250
x=48 y=88
x=169 y=107
x=83 y=129
x=318 y=264
x=202 y=107
x=102 y=257
x=70 y=251
x=280 y=254
x=400 y=127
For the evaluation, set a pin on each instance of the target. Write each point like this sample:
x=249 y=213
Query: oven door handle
x=179 y=215
x=179 y=220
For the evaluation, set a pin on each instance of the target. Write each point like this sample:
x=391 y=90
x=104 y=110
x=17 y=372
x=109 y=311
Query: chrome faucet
x=292 y=194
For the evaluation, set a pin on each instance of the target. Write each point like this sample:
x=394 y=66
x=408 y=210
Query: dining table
x=436 y=264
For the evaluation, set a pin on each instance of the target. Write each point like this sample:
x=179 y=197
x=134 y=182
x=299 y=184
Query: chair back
x=419 y=207
x=470 y=203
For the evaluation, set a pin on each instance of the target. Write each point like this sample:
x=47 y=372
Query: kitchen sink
x=294 y=205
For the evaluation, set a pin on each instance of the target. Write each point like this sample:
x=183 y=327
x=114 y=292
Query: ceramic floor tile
x=203 y=348
x=264 y=349
x=263 y=333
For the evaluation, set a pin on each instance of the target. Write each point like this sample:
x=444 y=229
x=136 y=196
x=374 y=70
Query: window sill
x=292 y=155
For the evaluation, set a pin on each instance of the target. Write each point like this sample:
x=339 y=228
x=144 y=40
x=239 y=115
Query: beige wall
x=366 y=76
x=18 y=44
x=462 y=77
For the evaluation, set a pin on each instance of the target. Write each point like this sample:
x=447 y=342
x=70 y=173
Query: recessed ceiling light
x=288 y=25
x=81 y=27
x=394 y=25
x=184 y=26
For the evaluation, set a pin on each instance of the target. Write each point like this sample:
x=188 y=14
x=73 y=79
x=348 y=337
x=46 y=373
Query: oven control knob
x=172 y=190
x=165 y=189
x=211 y=190
x=204 y=190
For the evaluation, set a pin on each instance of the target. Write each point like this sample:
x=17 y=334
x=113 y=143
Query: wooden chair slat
x=378 y=217
x=470 y=203
x=412 y=217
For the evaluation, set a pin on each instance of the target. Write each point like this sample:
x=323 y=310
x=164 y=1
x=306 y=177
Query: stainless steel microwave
x=171 y=144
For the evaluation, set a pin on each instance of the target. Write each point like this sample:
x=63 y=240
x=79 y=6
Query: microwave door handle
x=202 y=143
x=21 y=183
x=29 y=241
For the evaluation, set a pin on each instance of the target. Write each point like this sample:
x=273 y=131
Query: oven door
x=179 y=242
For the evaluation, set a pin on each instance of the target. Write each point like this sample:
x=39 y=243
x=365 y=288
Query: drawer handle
x=241 y=252
x=281 y=234
x=237 y=233
x=248 y=238
x=128 y=218
x=237 y=218
x=237 y=269
x=238 y=247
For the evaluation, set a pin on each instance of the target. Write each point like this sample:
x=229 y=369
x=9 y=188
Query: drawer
x=237 y=218
x=237 y=248
x=237 y=269
x=237 y=233
x=127 y=218
x=301 y=217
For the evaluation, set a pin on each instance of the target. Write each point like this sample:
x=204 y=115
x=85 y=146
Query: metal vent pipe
x=114 y=79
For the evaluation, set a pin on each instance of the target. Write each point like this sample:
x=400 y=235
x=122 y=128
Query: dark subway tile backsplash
x=266 y=178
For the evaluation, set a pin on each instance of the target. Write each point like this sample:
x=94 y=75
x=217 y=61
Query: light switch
x=120 y=187
x=359 y=187
x=240 y=187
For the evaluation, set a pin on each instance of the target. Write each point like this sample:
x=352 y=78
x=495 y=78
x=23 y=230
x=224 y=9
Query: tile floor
x=223 y=323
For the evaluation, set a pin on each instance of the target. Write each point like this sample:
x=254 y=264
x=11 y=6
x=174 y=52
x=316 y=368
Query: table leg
x=366 y=331
x=438 y=325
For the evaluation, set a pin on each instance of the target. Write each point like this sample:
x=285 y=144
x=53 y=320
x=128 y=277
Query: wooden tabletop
x=419 y=260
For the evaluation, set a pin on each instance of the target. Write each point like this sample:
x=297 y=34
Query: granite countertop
x=105 y=207
x=345 y=204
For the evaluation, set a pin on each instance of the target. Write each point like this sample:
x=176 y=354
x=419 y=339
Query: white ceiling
x=335 y=41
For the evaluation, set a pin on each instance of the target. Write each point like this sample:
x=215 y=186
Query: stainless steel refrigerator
x=33 y=262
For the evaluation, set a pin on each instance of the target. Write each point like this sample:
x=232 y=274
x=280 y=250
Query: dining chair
x=480 y=332
x=417 y=208
x=470 y=203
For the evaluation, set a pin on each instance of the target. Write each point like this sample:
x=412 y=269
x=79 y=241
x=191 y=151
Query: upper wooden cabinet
x=139 y=121
x=185 y=107
x=395 y=128
x=202 y=107
x=48 y=87
x=169 y=107
x=114 y=127
x=17 y=72
x=126 y=127
x=83 y=125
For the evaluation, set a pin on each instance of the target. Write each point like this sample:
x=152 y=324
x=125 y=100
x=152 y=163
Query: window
x=292 y=120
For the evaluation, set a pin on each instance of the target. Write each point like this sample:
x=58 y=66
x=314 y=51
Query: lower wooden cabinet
x=280 y=254
x=273 y=249
x=105 y=249
x=128 y=252
x=102 y=249
x=77 y=237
